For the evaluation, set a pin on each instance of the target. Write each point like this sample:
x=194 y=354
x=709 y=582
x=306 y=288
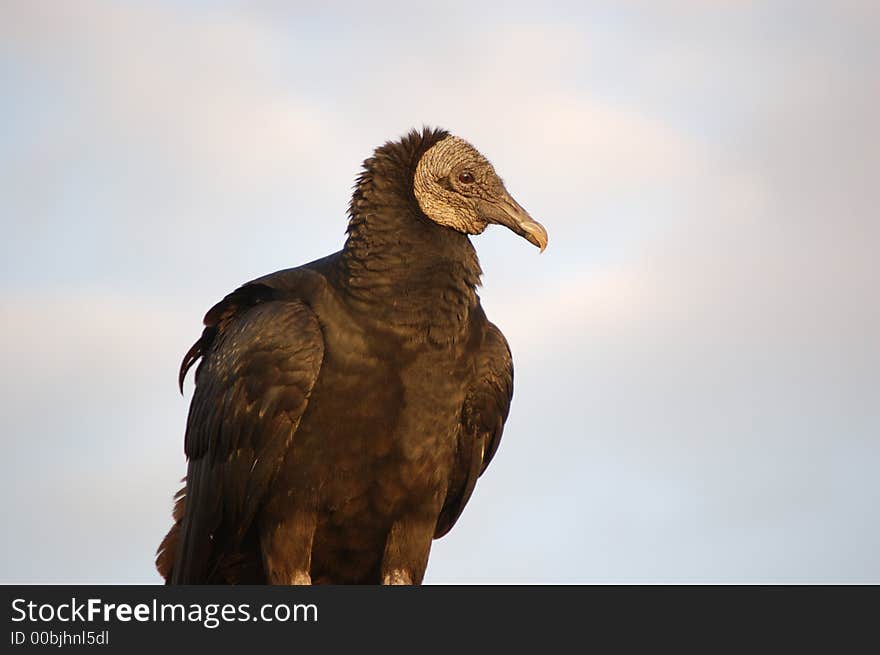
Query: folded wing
x=260 y=359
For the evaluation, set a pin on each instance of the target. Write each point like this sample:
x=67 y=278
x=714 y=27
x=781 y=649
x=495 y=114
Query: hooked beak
x=507 y=212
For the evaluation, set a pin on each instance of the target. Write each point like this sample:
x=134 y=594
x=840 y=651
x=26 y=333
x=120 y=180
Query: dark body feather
x=343 y=409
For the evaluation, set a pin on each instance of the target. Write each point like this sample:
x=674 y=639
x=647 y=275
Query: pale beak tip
x=536 y=233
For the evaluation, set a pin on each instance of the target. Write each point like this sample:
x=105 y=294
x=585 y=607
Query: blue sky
x=696 y=352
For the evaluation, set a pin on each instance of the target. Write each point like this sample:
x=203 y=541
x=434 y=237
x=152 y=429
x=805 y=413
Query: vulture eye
x=466 y=177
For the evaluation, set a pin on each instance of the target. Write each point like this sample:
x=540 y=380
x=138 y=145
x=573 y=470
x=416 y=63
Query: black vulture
x=344 y=409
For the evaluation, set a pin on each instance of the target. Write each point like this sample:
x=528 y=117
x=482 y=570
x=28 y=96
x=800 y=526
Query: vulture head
x=457 y=187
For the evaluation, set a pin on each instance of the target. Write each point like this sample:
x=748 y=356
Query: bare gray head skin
x=457 y=187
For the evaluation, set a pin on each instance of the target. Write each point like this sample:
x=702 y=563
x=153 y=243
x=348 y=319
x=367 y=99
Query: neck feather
x=402 y=269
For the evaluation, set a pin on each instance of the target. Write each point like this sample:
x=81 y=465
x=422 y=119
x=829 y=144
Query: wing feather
x=259 y=364
x=483 y=414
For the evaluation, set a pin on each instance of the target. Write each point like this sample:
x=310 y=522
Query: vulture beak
x=506 y=211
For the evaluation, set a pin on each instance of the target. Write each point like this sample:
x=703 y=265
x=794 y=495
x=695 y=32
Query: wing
x=482 y=421
x=260 y=359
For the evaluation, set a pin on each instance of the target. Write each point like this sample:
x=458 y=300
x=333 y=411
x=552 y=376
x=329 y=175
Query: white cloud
x=694 y=351
x=152 y=76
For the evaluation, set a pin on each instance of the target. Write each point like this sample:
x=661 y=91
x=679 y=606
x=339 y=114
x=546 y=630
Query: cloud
x=694 y=351
x=177 y=131
x=168 y=84
x=93 y=431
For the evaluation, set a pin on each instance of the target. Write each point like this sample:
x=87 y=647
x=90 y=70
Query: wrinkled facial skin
x=457 y=187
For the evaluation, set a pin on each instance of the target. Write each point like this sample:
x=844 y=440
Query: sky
x=696 y=352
